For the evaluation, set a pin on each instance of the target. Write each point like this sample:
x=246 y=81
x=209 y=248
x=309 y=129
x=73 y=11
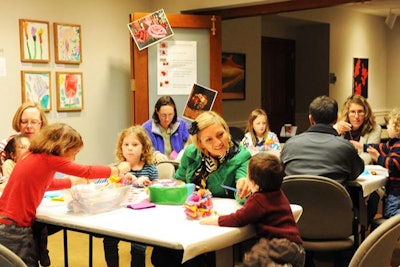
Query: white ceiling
x=377 y=7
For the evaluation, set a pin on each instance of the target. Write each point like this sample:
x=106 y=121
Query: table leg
x=90 y=250
x=224 y=257
x=65 y=237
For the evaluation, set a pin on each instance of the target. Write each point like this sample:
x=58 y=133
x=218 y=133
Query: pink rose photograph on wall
x=69 y=91
x=150 y=29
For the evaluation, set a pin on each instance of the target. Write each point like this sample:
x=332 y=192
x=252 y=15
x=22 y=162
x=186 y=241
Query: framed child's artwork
x=35 y=86
x=69 y=91
x=34 y=41
x=67 y=43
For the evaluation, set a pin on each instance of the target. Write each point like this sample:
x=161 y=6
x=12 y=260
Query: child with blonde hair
x=133 y=146
x=52 y=150
x=258 y=136
x=388 y=155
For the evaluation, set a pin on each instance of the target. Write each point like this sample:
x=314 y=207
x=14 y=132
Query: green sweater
x=227 y=173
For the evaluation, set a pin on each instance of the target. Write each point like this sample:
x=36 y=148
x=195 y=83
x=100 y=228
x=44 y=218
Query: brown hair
x=164 y=101
x=56 y=139
x=140 y=133
x=254 y=115
x=266 y=170
x=18 y=114
x=369 y=118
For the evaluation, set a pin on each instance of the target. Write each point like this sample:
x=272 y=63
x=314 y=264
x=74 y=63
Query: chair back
x=236 y=133
x=327 y=207
x=9 y=259
x=377 y=249
x=166 y=169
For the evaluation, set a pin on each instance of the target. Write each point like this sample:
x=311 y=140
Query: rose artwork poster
x=150 y=29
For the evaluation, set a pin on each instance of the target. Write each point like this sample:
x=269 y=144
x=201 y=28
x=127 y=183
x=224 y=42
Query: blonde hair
x=140 y=133
x=394 y=115
x=369 y=122
x=56 y=139
x=252 y=117
x=16 y=122
x=204 y=120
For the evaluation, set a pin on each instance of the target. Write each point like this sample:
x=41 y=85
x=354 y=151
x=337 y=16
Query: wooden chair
x=9 y=259
x=377 y=249
x=328 y=220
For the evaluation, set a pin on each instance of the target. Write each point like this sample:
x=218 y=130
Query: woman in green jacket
x=211 y=161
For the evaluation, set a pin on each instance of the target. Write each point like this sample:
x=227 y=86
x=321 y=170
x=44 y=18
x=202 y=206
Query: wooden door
x=140 y=61
x=278 y=81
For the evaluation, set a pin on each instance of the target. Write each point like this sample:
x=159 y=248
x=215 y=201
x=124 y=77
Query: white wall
x=105 y=67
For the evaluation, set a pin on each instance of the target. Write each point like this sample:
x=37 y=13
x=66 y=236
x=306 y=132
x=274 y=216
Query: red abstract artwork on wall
x=360 y=77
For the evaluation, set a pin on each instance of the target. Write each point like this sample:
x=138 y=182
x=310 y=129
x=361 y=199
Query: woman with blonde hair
x=211 y=161
x=29 y=119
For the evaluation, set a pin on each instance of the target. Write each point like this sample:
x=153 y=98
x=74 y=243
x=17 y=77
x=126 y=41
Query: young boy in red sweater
x=269 y=210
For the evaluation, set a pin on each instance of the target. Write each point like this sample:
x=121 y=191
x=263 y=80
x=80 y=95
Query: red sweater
x=32 y=176
x=270 y=212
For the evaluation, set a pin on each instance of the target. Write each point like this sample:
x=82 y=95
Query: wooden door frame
x=139 y=62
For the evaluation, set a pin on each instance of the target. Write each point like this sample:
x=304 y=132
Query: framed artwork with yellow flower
x=69 y=91
x=34 y=41
x=67 y=43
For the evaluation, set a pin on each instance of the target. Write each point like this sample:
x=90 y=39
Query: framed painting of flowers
x=69 y=91
x=34 y=41
x=67 y=43
x=35 y=87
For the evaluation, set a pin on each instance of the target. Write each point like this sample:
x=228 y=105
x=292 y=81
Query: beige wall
x=105 y=67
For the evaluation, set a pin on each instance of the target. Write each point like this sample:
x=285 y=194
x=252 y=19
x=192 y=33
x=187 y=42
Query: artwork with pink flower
x=34 y=41
x=69 y=91
x=150 y=29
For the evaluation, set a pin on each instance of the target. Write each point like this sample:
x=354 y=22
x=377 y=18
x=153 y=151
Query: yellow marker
x=114 y=179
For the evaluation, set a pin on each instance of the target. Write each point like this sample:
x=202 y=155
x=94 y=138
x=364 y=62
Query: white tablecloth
x=164 y=225
x=371 y=182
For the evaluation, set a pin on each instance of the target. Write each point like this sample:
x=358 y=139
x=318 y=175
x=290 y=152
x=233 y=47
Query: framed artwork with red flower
x=67 y=43
x=69 y=91
x=34 y=41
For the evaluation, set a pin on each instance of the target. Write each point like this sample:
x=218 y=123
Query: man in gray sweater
x=320 y=150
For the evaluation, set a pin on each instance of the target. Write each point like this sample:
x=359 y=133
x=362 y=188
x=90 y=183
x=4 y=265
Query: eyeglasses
x=164 y=116
x=354 y=112
x=32 y=122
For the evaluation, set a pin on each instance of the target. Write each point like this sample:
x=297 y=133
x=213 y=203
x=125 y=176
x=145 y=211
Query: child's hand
x=374 y=153
x=77 y=180
x=124 y=167
x=143 y=181
x=211 y=220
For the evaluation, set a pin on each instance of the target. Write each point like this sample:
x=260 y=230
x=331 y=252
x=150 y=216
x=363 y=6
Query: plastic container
x=95 y=198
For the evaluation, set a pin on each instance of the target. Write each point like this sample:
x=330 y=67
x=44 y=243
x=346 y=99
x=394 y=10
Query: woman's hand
x=374 y=153
x=160 y=156
x=357 y=145
x=341 y=127
x=243 y=187
x=211 y=220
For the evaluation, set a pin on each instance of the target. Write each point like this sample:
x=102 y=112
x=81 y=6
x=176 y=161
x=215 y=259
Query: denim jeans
x=392 y=205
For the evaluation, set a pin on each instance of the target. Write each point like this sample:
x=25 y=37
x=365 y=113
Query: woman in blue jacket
x=167 y=132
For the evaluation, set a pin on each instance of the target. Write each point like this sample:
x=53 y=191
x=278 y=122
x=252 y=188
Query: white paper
x=176 y=67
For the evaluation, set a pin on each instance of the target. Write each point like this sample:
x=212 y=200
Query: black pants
x=172 y=258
